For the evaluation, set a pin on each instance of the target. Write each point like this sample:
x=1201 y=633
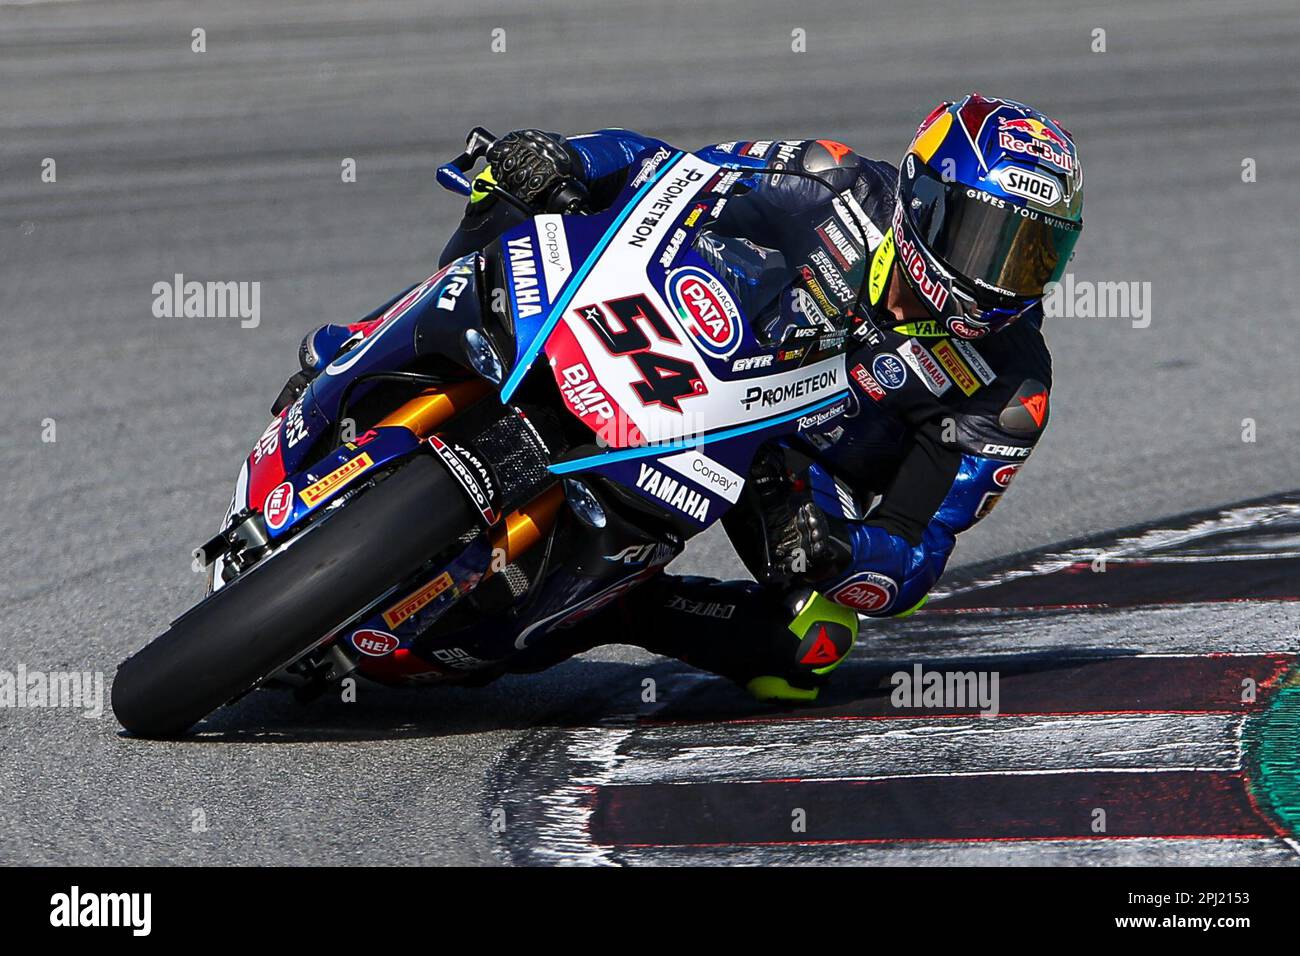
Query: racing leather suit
x=954 y=421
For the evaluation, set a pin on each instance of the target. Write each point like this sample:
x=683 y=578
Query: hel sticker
x=1002 y=477
x=417 y=601
x=278 y=506
x=315 y=493
x=374 y=643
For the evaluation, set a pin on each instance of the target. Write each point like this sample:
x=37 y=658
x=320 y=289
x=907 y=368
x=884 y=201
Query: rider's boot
x=319 y=347
x=803 y=653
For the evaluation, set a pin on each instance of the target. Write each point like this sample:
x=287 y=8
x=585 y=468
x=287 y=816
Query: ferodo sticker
x=374 y=643
x=417 y=601
x=867 y=592
x=472 y=475
x=707 y=310
x=315 y=493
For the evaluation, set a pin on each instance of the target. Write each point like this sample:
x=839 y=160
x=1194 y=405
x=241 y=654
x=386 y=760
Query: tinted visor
x=995 y=247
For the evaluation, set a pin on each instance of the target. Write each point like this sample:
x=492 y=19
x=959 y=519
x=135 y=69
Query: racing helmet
x=988 y=209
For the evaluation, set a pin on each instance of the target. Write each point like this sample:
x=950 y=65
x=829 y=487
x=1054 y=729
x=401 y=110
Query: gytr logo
x=74 y=908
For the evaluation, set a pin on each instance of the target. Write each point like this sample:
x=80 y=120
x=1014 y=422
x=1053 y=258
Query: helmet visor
x=997 y=248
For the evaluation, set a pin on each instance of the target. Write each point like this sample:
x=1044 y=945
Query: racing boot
x=804 y=653
x=319 y=347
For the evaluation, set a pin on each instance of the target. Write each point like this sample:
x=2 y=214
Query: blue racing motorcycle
x=502 y=450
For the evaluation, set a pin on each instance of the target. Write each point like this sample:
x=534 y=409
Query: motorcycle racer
x=954 y=247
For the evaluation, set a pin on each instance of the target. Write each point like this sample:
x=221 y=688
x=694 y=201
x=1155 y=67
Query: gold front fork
x=516 y=532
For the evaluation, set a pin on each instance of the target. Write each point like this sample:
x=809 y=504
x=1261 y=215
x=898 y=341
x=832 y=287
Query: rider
x=956 y=245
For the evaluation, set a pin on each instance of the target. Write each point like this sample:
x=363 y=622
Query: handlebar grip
x=452 y=178
x=568 y=199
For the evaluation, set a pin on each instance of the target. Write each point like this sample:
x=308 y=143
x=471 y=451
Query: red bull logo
x=1044 y=142
x=913 y=263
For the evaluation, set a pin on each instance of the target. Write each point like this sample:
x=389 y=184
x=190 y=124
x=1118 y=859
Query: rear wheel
x=281 y=607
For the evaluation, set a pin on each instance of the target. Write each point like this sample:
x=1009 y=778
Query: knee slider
x=825 y=632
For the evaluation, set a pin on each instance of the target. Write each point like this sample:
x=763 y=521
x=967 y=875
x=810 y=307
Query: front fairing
x=656 y=341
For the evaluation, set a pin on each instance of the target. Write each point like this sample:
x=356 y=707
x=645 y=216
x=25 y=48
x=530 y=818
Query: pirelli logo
x=414 y=603
x=955 y=366
x=315 y=493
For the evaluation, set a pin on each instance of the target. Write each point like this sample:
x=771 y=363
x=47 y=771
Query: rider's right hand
x=532 y=165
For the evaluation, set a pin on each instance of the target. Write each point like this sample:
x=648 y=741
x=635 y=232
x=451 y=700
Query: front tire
x=280 y=608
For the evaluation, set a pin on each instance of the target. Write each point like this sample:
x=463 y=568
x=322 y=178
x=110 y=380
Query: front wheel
x=281 y=607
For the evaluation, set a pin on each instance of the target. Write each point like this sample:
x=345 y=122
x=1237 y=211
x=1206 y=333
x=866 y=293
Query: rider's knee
x=815 y=641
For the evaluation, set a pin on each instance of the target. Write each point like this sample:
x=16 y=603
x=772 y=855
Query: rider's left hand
x=532 y=165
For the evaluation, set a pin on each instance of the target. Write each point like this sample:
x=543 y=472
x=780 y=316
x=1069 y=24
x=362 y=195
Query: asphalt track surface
x=225 y=165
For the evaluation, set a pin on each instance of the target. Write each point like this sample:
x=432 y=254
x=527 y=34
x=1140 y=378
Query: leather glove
x=813 y=546
x=532 y=165
x=805 y=544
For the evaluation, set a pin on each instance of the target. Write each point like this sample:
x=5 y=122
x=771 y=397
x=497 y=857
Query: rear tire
x=253 y=626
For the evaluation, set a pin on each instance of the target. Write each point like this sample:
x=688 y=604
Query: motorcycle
x=502 y=450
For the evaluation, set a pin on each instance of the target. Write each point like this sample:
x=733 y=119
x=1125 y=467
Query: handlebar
x=453 y=176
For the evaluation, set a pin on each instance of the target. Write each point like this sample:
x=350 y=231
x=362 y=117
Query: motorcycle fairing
x=673 y=387
x=400 y=335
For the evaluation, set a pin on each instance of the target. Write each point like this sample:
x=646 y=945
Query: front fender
x=310 y=490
